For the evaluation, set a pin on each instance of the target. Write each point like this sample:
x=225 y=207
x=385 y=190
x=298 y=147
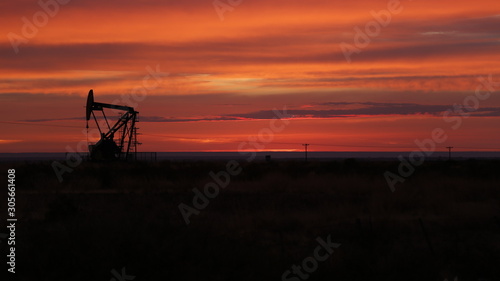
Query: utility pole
x=305 y=146
x=449 y=152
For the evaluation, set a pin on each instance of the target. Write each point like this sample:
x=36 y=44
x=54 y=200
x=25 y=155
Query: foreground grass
x=109 y=216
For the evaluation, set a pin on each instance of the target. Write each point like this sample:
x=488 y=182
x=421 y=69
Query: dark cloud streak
x=363 y=109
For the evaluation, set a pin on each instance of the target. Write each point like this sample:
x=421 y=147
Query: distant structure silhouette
x=305 y=147
x=449 y=152
x=107 y=148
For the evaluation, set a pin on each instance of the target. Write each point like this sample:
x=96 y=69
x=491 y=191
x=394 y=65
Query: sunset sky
x=220 y=73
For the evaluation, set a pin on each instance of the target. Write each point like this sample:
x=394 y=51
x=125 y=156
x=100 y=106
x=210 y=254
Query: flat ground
x=442 y=222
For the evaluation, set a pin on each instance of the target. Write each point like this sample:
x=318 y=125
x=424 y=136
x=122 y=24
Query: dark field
x=443 y=222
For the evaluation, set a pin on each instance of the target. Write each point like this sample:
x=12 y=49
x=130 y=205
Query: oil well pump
x=117 y=142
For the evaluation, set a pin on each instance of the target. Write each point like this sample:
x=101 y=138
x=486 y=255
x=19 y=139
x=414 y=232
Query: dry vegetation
x=109 y=216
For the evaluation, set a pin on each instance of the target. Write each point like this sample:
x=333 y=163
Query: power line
x=285 y=143
x=36 y=124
